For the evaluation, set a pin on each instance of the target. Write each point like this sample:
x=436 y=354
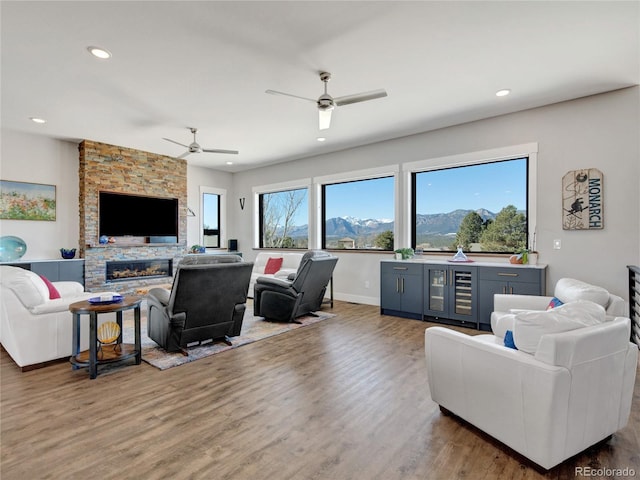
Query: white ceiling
x=207 y=64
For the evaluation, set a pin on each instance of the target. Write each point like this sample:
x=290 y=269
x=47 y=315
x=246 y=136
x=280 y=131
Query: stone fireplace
x=111 y=168
x=126 y=270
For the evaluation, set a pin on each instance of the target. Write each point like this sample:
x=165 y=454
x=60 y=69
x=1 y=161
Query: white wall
x=601 y=132
x=38 y=159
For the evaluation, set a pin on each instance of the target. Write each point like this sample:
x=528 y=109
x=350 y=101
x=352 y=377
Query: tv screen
x=137 y=215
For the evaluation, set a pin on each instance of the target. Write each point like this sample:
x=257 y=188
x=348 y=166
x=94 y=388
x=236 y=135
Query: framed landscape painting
x=27 y=201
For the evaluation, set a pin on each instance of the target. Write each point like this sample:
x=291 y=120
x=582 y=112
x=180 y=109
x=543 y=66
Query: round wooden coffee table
x=90 y=357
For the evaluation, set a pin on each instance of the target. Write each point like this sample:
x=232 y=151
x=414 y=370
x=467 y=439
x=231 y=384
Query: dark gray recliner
x=206 y=303
x=286 y=300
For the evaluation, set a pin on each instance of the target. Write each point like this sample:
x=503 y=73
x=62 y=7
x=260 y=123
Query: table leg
x=75 y=342
x=93 y=345
x=119 y=322
x=136 y=315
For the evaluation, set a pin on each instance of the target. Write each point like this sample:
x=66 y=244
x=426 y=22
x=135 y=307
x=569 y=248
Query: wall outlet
x=557 y=244
x=366 y=284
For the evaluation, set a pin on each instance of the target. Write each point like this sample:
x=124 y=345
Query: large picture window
x=483 y=207
x=284 y=219
x=359 y=214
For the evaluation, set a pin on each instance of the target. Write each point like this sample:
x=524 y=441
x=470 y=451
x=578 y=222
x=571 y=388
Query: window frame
x=354 y=176
x=529 y=151
x=222 y=217
x=277 y=188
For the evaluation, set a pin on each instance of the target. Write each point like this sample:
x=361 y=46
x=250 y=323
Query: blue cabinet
x=54 y=270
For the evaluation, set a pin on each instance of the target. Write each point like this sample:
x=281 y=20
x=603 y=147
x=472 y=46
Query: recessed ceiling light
x=503 y=93
x=321 y=139
x=99 y=52
x=37 y=120
x=229 y=163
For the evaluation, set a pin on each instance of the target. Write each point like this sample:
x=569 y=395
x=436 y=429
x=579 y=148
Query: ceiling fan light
x=324 y=119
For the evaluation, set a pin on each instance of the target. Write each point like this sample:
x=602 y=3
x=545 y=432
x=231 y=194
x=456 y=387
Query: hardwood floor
x=345 y=398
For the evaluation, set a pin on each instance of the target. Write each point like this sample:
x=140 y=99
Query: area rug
x=253 y=329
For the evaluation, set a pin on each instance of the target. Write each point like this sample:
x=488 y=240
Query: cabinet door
x=390 y=291
x=72 y=271
x=47 y=269
x=411 y=293
x=463 y=294
x=486 y=291
x=436 y=290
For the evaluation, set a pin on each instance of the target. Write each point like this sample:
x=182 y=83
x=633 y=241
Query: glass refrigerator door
x=437 y=285
x=462 y=293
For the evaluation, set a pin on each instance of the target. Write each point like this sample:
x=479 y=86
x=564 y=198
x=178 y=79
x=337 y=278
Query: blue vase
x=103 y=239
x=68 y=253
x=11 y=248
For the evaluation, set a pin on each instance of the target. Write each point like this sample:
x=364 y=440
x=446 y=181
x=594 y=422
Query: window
x=483 y=207
x=284 y=219
x=213 y=206
x=358 y=214
x=211 y=220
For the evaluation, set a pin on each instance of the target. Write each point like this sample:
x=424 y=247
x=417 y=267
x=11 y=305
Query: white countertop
x=505 y=264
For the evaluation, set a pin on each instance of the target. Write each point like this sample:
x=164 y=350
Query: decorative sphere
x=103 y=239
x=11 y=248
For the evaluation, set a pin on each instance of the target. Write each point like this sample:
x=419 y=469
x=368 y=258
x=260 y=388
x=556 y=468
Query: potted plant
x=197 y=249
x=404 y=253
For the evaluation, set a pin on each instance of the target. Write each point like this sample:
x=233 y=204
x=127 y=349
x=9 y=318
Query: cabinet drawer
x=510 y=274
x=401 y=268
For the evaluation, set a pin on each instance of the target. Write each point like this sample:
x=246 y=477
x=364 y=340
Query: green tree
x=507 y=233
x=469 y=231
x=384 y=240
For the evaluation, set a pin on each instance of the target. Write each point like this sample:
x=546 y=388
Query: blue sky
x=491 y=185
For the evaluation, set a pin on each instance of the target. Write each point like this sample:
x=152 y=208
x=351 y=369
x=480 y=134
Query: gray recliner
x=206 y=303
x=302 y=293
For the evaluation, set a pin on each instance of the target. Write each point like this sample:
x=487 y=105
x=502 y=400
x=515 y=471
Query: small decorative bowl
x=68 y=253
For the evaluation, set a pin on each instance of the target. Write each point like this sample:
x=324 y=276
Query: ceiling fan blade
x=177 y=143
x=217 y=150
x=324 y=119
x=274 y=92
x=184 y=154
x=359 y=97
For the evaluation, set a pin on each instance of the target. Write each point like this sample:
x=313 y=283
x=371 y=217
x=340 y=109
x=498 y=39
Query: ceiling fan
x=194 y=147
x=326 y=103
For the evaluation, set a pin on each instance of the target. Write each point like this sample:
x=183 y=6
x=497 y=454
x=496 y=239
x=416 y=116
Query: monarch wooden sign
x=583 y=200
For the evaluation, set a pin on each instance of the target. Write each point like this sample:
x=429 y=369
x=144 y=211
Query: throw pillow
x=53 y=291
x=555 y=302
x=508 y=340
x=529 y=327
x=273 y=265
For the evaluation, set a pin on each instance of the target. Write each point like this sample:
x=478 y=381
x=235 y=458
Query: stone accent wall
x=118 y=169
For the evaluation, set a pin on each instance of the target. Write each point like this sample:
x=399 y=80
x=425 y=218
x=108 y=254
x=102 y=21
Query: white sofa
x=290 y=264
x=33 y=328
x=573 y=392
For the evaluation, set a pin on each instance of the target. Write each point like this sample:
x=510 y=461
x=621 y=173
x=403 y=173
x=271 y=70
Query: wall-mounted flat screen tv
x=137 y=215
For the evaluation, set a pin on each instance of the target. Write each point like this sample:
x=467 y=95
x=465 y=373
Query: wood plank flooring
x=346 y=398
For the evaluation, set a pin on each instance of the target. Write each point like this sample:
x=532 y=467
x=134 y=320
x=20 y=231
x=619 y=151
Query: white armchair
x=573 y=392
x=566 y=290
x=33 y=328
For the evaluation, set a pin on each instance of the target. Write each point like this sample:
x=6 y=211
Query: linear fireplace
x=124 y=270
